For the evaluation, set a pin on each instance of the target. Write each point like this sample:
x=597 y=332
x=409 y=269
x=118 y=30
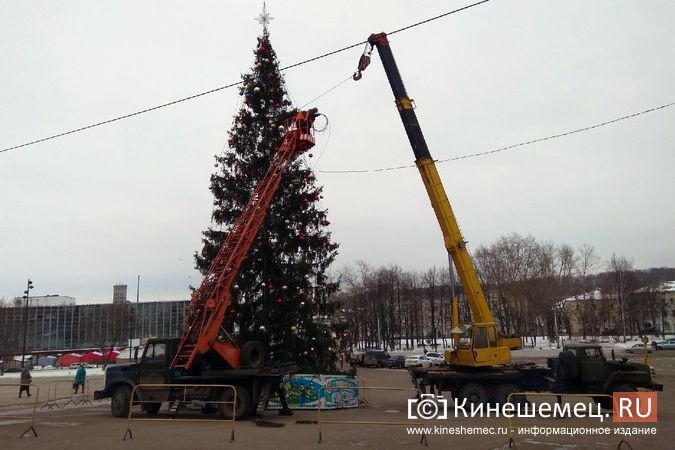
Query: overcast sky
x=85 y=211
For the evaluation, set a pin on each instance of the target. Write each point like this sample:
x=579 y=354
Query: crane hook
x=364 y=61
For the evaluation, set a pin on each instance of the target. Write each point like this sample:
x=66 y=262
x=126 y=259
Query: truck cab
x=583 y=368
x=150 y=367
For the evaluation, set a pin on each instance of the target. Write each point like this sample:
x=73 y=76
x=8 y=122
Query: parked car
x=375 y=358
x=668 y=344
x=356 y=359
x=435 y=358
x=77 y=366
x=397 y=361
x=637 y=348
x=417 y=361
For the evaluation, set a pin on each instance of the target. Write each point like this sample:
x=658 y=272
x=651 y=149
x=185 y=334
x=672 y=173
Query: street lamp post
x=26 y=296
x=555 y=328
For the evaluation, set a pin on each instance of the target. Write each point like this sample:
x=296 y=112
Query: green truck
x=253 y=385
x=584 y=369
x=578 y=369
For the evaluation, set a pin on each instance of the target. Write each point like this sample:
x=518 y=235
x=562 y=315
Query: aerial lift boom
x=203 y=331
x=486 y=346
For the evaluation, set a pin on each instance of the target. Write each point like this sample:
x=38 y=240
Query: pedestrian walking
x=26 y=379
x=80 y=375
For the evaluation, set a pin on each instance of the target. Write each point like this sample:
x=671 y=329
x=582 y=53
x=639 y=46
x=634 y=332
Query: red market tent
x=110 y=356
x=92 y=357
x=70 y=358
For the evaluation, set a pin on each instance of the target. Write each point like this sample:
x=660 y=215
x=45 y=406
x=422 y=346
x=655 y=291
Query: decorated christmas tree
x=281 y=294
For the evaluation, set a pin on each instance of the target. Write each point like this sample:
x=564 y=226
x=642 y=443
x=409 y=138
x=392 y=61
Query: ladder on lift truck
x=209 y=303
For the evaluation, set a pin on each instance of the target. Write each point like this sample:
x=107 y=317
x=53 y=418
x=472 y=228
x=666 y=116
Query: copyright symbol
x=427 y=409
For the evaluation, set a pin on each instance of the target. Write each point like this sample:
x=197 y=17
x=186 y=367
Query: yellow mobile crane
x=479 y=368
x=484 y=346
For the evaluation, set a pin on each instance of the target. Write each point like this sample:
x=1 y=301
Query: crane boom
x=202 y=329
x=487 y=346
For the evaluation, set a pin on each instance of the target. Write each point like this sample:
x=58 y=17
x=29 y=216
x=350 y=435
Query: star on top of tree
x=264 y=18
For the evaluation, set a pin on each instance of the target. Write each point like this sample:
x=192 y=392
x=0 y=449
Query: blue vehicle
x=396 y=362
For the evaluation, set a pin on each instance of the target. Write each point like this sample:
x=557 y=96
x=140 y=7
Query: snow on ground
x=543 y=346
x=52 y=372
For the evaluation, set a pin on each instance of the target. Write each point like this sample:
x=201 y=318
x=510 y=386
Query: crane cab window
x=480 y=339
x=492 y=336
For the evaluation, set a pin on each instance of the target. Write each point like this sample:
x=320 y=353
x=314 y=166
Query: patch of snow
x=39 y=373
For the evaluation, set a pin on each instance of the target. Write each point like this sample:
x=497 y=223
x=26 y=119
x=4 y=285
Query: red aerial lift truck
x=205 y=354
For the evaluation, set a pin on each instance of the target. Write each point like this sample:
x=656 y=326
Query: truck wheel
x=473 y=393
x=503 y=391
x=567 y=368
x=119 y=404
x=243 y=402
x=606 y=402
x=252 y=354
x=151 y=409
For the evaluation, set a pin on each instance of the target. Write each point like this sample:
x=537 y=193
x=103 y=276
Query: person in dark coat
x=26 y=379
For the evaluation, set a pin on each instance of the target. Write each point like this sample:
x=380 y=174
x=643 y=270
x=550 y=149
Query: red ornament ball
x=279 y=300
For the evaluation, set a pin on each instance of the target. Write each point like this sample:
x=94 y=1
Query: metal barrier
x=84 y=396
x=32 y=416
x=177 y=403
x=320 y=421
x=558 y=396
x=52 y=394
x=363 y=398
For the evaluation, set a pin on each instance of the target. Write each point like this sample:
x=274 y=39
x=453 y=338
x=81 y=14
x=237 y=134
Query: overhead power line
x=211 y=91
x=126 y=116
x=509 y=147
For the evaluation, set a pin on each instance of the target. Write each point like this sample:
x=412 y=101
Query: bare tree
x=430 y=278
x=621 y=279
x=585 y=264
